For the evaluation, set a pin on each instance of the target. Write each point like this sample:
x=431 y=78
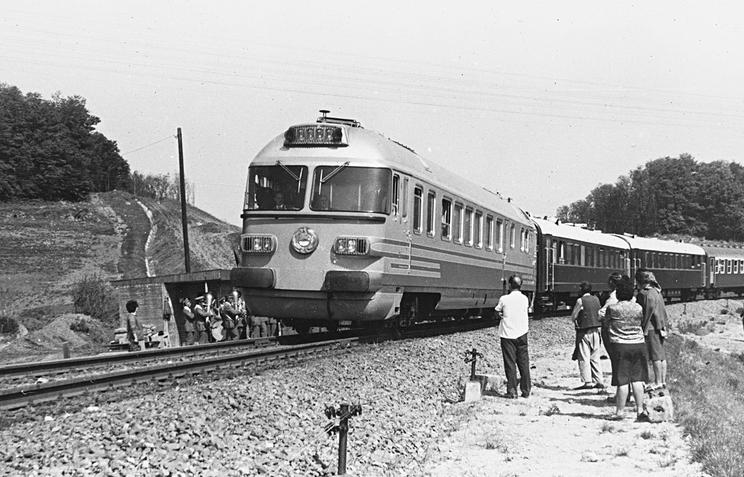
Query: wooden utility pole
x=186 y=254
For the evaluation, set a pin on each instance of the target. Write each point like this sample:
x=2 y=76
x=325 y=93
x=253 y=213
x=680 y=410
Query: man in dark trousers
x=588 y=337
x=513 y=309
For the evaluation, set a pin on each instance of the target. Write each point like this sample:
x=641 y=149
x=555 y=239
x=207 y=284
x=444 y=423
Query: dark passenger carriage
x=569 y=254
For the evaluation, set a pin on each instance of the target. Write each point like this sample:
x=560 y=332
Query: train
x=345 y=226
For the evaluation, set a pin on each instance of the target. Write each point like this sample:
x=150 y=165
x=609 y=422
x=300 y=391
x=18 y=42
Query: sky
x=541 y=101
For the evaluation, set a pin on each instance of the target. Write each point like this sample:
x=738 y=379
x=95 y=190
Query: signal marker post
x=343 y=413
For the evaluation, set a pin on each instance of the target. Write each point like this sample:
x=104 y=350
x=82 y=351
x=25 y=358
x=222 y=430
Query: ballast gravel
x=273 y=423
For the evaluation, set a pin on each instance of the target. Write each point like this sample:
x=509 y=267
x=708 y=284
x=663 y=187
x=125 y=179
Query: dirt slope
x=47 y=247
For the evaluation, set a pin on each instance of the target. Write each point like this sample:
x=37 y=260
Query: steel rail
x=20 y=397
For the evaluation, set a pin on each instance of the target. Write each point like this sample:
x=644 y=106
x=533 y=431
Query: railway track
x=55 y=380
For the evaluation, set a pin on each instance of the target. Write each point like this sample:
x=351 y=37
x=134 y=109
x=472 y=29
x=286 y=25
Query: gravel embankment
x=272 y=423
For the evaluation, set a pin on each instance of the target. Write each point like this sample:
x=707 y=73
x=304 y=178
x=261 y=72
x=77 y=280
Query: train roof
x=579 y=234
x=372 y=149
x=719 y=251
x=664 y=246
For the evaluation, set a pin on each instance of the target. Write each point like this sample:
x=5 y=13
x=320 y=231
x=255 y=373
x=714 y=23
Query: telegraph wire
x=148 y=145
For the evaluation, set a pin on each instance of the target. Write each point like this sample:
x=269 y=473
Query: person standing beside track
x=588 y=338
x=189 y=319
x=201 y=317
x=654 y=323
x=513 y=329
x=134 y=329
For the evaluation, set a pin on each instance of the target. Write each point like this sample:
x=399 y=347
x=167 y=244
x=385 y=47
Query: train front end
x=317 y=199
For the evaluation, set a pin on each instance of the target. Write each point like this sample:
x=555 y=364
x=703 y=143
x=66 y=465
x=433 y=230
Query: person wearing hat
x=201 y=313
x=654 y=323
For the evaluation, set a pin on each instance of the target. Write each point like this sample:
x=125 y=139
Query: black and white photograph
x=484 y=239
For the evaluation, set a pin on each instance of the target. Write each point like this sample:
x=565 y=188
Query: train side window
x=589 y=256
x=457 y=224
x=477 y=229
x=446 y=219
x=500 y=235
x=569 y=254
x=404 y=206
x=489 y=233
x=736 y=266
x=431 y=212
x=467 y=226
x=418 y=208
x=741 y=266
x=512 y=235
x=728 y=265
x=396 y=194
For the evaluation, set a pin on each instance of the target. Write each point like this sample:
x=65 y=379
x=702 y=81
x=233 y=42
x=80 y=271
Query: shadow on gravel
x=550 y=387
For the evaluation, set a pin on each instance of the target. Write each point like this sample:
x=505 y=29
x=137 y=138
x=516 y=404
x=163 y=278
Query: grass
x=709 y=404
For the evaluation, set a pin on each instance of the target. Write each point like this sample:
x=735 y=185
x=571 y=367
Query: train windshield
x=351 y=189
x=279 y=187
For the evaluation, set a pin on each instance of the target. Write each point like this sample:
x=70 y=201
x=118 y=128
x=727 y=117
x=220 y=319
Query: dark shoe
x=615 y=417
x=599 y=386
x=525 y=395
x=584 y=386
x=510 y=396
x=642 y=417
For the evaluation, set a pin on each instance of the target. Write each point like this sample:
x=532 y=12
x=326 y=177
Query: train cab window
x=512 y=235
x=499 y=235
x=396 y=194
x=352 y=189
x=457 y=224
x=418 y=208
x=280 y=187
x=489 y=233
x=446 y=219
x=477 y=229
x=467 y=226
x=431 y=212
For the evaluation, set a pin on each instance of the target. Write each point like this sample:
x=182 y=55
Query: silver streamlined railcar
x=341 y=223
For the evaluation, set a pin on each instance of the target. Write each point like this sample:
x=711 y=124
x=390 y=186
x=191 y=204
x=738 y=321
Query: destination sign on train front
x=315 y=135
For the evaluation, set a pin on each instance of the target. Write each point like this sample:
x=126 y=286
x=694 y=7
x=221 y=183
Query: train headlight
x=351 y=246
x=256 y=243
x=304 y=240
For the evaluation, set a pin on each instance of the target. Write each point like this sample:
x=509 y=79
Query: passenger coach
x=343 y=224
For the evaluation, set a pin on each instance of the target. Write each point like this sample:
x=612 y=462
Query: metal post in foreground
x=343 y=413
x=472 y=357
x=65 y=350
x=186 y=253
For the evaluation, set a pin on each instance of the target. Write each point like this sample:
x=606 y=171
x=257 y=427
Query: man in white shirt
x=513 y=333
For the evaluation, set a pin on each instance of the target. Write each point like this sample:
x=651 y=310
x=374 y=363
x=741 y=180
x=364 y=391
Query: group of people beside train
x=209 y=320
x=631 y=326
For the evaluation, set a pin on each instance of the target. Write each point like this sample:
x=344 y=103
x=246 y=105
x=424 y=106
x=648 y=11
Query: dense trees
x=668 y=196
x=49 y=149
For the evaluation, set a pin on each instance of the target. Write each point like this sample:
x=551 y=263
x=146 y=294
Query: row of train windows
x=586 y=255
x=730 y=266
x=459 y=223
x=670 y=260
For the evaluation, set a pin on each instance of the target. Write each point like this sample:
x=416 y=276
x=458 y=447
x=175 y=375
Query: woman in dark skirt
x=627 y=340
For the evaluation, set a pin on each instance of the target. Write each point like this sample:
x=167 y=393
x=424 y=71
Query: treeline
x=50 y=150
x=668 y=196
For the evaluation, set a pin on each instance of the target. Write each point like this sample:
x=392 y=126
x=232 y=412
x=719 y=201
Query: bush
x=94 y=296
x=8 y=325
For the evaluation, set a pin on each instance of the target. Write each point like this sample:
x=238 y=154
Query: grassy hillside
x=47 y=247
